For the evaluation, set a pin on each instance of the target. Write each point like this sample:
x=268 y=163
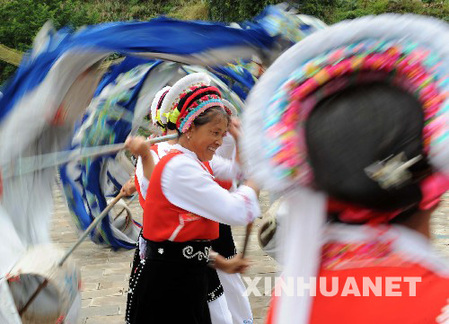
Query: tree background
x=20 y=20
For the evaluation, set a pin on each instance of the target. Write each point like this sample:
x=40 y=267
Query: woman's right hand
x=138 y=146
x=235 y=128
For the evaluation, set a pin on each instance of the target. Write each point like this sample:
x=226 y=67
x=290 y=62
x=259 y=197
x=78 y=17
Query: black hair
x=357 y=127
x=208 y=115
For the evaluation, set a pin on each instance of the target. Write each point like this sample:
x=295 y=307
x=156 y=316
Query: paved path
x=105 y=272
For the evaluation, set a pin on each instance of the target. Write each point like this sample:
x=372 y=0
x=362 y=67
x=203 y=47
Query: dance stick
x=245 y=243
x=28 y=164
x=91 y=227
x=127 y=205
x=70 y=251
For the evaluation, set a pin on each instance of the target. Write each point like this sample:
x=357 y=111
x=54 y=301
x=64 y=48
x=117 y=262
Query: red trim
x=155 y=149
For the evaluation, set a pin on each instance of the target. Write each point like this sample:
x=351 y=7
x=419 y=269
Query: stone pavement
x=105 y=272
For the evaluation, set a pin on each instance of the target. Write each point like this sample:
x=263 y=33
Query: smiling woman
x=183 y=206
x=206 y=134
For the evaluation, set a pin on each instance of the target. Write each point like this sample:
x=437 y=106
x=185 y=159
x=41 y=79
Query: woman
x=235 y=306
x=362 y=129
x=182 y=207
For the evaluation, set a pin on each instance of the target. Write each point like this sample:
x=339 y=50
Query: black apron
x=170 y=285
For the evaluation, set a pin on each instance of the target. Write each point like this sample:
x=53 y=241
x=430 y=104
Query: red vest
x=141 y=199
x=223 y=183
x=164 y=221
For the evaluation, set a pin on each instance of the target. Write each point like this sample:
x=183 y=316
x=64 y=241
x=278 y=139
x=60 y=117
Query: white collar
x=165 y=146
x=192 y=155
x=186 y=151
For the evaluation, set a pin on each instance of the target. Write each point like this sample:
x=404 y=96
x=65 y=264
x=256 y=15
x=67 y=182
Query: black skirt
x=224 y=245
x=170 y=285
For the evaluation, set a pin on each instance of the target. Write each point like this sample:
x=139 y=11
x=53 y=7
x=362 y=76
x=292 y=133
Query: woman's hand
x=138 y=146
x=252 y=184
x=235 y=129
x=128 y=188
x=234 y=265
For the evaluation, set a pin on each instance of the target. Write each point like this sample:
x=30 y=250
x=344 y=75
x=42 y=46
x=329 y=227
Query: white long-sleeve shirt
x=187 y=184
x=224 y=169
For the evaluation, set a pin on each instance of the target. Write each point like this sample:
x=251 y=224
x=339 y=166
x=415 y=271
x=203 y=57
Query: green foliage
x=120 y=10
x=6 y=70
x=332 y=11
x=20 y=20
x=237 y=10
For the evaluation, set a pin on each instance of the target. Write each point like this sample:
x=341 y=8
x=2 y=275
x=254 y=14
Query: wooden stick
x=245 y=243
x=91 y=227
x=31 y=164
x=70 y=251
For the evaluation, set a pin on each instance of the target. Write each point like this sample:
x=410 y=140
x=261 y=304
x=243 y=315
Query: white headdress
x=157 y=104
x=173 y=96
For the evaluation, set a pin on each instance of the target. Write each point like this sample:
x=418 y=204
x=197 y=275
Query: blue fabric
x=127 y=64
x=160 y=35
x=108 y=128
x=240 y=81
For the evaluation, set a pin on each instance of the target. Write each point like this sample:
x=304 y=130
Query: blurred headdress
x=156 y=117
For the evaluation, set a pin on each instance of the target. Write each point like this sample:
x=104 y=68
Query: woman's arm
x=225 y=163
x=140 y=147
x=187 y=185
x=225 y=169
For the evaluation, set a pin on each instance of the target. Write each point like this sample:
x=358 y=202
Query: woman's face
x=206 y=139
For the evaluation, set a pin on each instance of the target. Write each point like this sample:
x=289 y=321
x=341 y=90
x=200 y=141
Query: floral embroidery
x=187 y=252
x=339 y=256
